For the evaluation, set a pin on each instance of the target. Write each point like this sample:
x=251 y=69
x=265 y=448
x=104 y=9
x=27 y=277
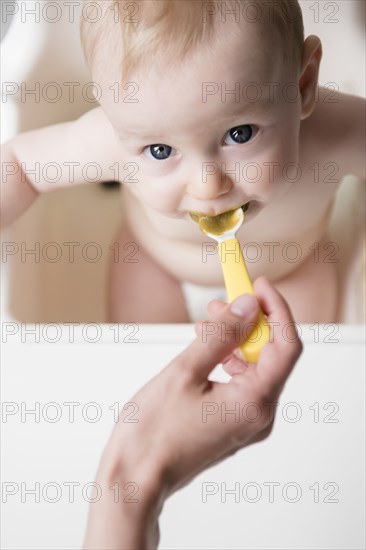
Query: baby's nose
x=209 y=182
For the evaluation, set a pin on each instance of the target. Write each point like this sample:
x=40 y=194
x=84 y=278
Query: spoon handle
x=237 y=282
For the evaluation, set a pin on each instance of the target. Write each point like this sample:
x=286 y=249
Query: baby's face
x=212 y=133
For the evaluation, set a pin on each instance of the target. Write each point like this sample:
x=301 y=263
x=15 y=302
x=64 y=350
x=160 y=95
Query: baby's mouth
x=196 y=215
x=251 y=209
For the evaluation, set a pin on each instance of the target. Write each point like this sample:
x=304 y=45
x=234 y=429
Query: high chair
x=41 y=60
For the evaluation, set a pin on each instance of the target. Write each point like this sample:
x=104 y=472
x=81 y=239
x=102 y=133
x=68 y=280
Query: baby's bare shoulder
x=336 y=130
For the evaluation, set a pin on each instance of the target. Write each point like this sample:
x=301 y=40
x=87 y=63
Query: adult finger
x=234 y=366
x=213 y=308
x=279 y=356
x=219 y=337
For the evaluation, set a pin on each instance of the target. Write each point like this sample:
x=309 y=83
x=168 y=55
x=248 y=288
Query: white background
x=324 y=449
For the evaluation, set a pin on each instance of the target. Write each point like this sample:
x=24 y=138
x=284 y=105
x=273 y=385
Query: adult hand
x=180 y=431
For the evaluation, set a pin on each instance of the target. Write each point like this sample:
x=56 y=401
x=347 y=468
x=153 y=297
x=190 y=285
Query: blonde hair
x=140 y=29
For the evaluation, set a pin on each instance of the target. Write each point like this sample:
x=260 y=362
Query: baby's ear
x=312 y=54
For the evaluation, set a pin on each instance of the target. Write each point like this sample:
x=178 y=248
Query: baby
x=206 y=107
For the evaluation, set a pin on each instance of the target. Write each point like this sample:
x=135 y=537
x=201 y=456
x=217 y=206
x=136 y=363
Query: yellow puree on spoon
x=217 y=225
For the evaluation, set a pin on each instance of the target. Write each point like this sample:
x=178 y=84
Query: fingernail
x=243 y=305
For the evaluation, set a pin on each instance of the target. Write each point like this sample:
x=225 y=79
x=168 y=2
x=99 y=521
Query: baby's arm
x=32 y=161
x=353 y=138
x=339 y=124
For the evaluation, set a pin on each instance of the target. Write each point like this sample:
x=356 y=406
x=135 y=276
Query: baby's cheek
x=272 y=173
x=160 y=201
x=160 y=197
x=283 y=167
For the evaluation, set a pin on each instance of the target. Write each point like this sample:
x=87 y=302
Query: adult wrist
x=126 y=514
x=137 y=485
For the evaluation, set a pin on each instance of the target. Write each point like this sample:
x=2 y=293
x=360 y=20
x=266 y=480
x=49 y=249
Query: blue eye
x=159 y=151
x=239 y=134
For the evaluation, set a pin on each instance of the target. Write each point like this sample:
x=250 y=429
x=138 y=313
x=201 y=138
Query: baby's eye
x=159 y=151
x=239 y=134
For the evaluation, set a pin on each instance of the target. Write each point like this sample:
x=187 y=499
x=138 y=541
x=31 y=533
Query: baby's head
x=205 y=97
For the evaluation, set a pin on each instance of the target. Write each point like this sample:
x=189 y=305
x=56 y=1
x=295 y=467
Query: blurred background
x=37 y=52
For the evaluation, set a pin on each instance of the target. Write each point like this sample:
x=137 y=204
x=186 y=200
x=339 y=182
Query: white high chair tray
x=301 y=488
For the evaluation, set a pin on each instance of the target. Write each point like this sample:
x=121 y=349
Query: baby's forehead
x=174 y=106
x=235 y=59
x=212 y=83
x=248 y=46
x=167 y=53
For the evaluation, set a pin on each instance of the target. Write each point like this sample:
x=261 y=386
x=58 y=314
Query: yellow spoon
x=222 y=229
